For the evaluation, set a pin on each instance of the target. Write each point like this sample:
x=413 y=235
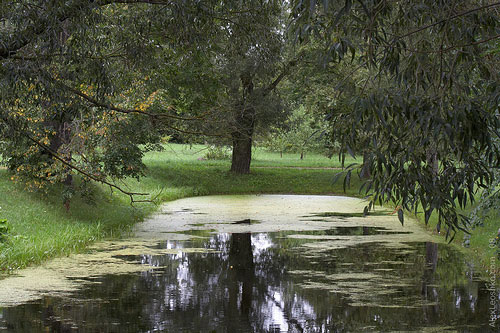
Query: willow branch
x=54 y=55
x=449 y=19
x=83 y=172
x=449 y=48
x=97 y=103
x=151 y=2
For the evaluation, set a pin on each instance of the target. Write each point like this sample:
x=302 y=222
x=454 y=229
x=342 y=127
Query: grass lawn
x=40 y=227
x=260 y=157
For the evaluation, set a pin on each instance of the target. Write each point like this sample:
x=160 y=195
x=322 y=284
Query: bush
x=217 y=153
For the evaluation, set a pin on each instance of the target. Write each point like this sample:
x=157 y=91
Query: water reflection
x=272 y=283
x=429 y=290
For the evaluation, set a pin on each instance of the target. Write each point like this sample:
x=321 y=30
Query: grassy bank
x=479 y=248
x=40 y=227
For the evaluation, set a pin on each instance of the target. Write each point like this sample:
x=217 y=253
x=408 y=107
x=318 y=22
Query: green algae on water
x=274 y=213
x=62 y=276
x=195 y=218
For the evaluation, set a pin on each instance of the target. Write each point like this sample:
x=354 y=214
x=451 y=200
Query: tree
x=277 y=140
x=85 y=85
x=301 y=132
x=251 y=62
x=240 y=52
x=431 y=128
x=59 y=81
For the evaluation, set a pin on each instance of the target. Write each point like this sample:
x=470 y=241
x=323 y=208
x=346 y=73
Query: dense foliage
x=429 y=114
x=62 y=71
x=88 y=86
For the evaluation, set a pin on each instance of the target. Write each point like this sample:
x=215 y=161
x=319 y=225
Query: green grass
x=180 y=171
x=479 y=247
x=480 y=241
x=40 y=228
x=260 y=157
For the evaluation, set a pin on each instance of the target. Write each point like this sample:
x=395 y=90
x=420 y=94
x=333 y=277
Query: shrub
x=215 y=152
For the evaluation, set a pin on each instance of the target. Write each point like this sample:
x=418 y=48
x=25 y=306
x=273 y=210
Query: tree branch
x=132 y=111
x=135 y=111
x=79 y=170
x=447 y=49
x=281 y=76
x=54 y=55
x=97 y=103
x=448 y=19
x=151 y=2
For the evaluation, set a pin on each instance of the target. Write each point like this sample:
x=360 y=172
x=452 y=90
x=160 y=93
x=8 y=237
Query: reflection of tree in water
x=429 y=290
x=245 y=287
x=241 y=266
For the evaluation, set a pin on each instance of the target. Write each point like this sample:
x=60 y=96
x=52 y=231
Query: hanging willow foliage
x=428 y=116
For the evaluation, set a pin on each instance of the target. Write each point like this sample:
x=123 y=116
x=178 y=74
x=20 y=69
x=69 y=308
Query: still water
x=267 y=263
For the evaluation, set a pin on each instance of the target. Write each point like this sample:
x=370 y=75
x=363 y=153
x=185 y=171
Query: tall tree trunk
x=244 y=122
x=242 y=153
x=62 y=136
x=366 y=171
x=244 y=127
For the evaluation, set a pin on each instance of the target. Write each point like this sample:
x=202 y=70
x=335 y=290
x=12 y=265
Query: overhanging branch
x=449 y=19
x=97 y=103
x=83 y=172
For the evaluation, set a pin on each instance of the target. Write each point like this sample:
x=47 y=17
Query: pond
x=256 y=263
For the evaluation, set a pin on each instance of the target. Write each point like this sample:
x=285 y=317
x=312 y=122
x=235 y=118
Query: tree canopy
x=88 y=86
x=429 y=112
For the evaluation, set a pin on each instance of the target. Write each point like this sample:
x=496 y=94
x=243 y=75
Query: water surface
x=267 y=263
